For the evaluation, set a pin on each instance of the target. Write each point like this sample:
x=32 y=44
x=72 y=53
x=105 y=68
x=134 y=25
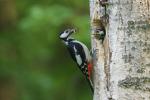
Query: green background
x=34 y=63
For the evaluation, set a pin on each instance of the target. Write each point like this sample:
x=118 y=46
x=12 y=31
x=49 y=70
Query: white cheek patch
x=64 y=35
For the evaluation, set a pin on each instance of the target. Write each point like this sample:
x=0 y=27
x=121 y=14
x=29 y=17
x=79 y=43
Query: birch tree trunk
x=122 y=61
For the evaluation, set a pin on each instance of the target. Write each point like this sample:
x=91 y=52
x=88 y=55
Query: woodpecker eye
x=67 y=31
x=97 y=31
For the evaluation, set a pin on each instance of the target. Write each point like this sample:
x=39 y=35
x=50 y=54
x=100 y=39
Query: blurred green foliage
x=34 y=63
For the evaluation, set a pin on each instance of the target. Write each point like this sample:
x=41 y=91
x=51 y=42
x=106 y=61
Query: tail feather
x=91 y=84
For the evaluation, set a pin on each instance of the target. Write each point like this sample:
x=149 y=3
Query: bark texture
x=122 y=62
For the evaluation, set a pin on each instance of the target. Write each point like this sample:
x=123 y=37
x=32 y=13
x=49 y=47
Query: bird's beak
x=73 y=31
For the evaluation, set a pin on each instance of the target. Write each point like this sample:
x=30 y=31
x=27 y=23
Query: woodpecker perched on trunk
x=79 y=53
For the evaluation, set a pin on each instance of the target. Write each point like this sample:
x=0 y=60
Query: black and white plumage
x=79 y=53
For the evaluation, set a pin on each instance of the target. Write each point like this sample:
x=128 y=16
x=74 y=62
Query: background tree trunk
x=122 y=62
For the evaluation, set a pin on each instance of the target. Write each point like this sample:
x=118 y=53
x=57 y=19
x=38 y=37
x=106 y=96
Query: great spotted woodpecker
x=79 y=53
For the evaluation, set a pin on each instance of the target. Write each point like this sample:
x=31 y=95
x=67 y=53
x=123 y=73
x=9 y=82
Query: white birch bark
x=122 y=62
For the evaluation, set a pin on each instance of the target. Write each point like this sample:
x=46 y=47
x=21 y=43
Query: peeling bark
x=122 y=61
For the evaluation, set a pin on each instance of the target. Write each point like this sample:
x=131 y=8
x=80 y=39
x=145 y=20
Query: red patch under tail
x=89 y=69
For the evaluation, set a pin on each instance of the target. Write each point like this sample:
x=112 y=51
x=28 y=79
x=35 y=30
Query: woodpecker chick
x=99 y=34
x=79 y=53
x=103 y=3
